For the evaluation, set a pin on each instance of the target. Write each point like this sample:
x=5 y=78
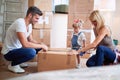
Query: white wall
x=115 y=21
x=112 y=18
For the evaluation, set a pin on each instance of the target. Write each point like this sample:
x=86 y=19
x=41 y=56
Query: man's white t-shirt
x=11 y=40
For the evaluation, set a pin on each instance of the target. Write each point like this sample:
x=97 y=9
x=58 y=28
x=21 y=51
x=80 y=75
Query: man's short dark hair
x=34 y=10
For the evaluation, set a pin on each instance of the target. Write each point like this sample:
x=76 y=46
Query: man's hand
x=44 y=47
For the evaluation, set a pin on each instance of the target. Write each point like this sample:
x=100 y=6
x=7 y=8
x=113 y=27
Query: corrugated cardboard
x=45 y=21
x=42 y=35
x=2 y=60
x=48 y=19
x=80 y=9
x=59 y=49
x=55 y=60
x=44 y=5
x=0 y=44
x=82 y=16
x=81 y=6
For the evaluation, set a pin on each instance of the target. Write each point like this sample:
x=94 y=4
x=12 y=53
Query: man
x=19 y=46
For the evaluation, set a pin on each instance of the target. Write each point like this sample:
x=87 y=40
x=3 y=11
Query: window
x=58 y=2
x=60 y=6
x=104 y=5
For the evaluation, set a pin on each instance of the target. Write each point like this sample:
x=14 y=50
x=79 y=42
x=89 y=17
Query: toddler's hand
x=72 y=52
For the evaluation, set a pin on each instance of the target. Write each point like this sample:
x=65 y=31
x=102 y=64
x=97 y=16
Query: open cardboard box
x=55 y=60
x=59 y=49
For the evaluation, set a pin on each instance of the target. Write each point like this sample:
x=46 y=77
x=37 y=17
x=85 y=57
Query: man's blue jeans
x=103 y=56
x=21 y=55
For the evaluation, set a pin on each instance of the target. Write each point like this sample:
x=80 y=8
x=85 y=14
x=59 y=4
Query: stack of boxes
x=42 y=30
x=80 y=9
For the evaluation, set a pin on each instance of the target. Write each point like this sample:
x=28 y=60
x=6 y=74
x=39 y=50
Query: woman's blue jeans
x=21 y=55
x=103 y=56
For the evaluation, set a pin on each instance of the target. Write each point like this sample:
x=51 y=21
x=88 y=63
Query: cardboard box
x=58 y=49
x=42 y=35
x=0 y=44
x=81 y=6
x=83 y=16
x=1 y=47
x=55 y=60
x=45 y=21
x=2 y=60
x=44 y=5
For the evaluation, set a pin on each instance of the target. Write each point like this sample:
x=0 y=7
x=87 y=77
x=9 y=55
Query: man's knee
x=31 y=53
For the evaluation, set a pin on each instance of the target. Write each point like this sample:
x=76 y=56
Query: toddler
x=78 y=39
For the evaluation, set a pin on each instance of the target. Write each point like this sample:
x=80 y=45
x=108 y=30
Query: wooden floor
x=111 y=72
x=32 y=68
x=6 y=74
x=84 y=73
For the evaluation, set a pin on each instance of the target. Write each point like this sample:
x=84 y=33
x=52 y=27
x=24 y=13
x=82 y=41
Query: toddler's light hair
x=78 y=23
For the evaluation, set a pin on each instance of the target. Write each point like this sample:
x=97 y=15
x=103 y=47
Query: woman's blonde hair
x=77 y=23
x=96 y=16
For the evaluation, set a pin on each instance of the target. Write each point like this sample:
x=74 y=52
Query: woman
x=103 y=42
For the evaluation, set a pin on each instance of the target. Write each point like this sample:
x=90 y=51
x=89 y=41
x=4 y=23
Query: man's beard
x=31 y=22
